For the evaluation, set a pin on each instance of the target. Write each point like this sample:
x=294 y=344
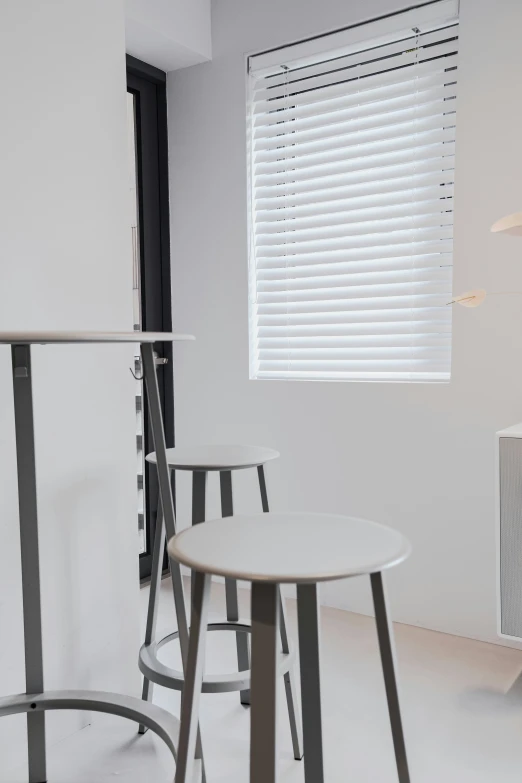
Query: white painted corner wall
x=418 y=457
x=65 y=258
x=169 y=34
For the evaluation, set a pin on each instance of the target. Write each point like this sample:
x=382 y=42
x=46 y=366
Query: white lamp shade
x=510 y=224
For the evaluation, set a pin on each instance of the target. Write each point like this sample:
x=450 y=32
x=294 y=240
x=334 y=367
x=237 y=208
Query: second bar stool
x=304 y=549
x=200 y=460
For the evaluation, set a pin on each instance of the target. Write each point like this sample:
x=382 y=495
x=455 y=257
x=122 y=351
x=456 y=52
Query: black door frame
x=149 y=86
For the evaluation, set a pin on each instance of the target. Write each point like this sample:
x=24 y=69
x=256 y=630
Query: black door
x=147 y=106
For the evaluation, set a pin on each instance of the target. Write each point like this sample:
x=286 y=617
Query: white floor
x=462 y=709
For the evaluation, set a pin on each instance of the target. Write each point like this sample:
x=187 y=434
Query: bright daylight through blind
x=352 y=149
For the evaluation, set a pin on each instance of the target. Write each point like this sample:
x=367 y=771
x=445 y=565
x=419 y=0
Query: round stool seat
x=210 y=457
x=295 y=547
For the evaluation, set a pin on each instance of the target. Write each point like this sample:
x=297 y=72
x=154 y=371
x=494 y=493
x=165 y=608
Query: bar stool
x=269 y=550
x=200 y=460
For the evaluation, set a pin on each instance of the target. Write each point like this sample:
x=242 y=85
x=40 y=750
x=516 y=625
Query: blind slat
x=373 y=242
x=394 y=329
x=413 y=143
x=408 y=288
x=372 y=354
x=356 y=254
x=398 y=131
x=357 y=318
x=366 y=267
x=366 y=186
x=295 y=238
x=340 y=305
x=387 y=83
x=297 y=118
x=280 y=285
x=278 y=126
x=372 y=73
x=352 y=172
x=403 y=364
x=398 y=240
x=411 y=153
x=383 y=203
x=361 y=126
x=389 y=377
x=407 y=209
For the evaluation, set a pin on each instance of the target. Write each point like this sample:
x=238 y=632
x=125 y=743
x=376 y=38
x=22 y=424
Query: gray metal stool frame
x=200 y=461
x=36 y=701
x=303 y=549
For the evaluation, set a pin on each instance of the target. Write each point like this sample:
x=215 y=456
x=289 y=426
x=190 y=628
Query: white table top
x=45 y=338
x=296 y=547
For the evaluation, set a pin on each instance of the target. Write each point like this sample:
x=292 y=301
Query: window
x=351 y=171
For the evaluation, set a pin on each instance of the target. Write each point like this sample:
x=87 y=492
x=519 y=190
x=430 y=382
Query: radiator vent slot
x=511 y=536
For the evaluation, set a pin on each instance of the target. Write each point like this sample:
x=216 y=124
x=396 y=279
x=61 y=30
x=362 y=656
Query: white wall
x=168 y=33
x=418 y=457
x=66 y=264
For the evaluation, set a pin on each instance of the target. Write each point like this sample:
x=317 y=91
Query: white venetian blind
x=352 y=150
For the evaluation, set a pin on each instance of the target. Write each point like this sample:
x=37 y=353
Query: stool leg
x=386 y=646
x=199 y=502
x=309 y=648
x=262 y=488
x=291 y=687
x=243 y=655
x=290 y=679
x=263 y=684
x=152 y=611
x=193 y=679
x=199 y=496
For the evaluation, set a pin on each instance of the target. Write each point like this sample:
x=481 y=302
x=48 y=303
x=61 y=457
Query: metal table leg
x=152 y=612
x=25 y=457
x=158 y=720
x=158 y=434
x=194 y=678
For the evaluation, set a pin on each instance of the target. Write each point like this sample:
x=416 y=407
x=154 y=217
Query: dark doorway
x=149 y=201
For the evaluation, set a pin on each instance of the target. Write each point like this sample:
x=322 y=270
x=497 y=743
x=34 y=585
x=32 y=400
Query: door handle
x=160 y=360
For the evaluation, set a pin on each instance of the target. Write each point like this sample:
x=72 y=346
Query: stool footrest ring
x=161 y=674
